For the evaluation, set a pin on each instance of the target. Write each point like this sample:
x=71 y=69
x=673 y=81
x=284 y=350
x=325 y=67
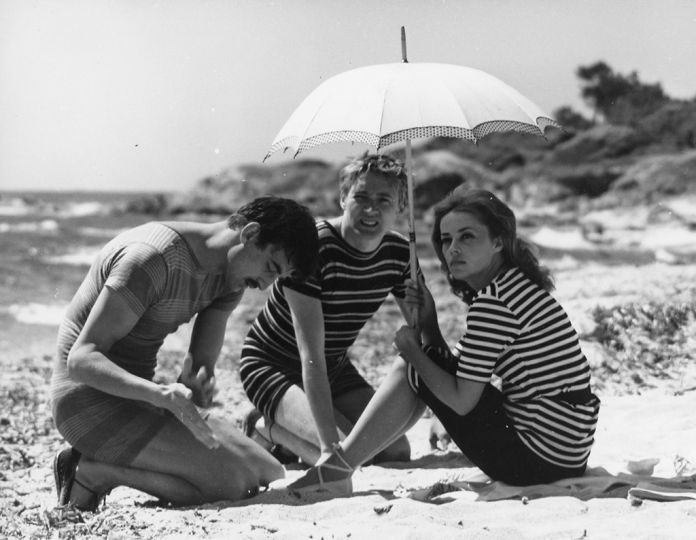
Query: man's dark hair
x=285 y=224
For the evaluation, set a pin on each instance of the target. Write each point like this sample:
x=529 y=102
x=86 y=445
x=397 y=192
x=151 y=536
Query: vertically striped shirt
x=519 y=332
x=153 y=269
x=351 y=286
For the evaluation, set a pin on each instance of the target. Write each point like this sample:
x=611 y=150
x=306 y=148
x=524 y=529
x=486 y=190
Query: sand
x=655 y=427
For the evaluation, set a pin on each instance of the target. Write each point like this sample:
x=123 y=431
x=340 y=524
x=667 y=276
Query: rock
x=652 y=178
x=604 y=141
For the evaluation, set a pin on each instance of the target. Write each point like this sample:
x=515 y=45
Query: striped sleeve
x=351 y=285
x=491 y=328
x=309 y=287
x=138 y=274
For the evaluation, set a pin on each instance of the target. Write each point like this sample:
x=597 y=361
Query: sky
x=127 y=95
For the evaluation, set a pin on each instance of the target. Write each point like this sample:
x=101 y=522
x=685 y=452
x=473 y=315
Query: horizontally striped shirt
x=520 y=333
x=153 y=269
x=351 y=286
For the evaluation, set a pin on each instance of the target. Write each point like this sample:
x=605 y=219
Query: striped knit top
x=519 y=332
x=153 y=269
x=351 y=286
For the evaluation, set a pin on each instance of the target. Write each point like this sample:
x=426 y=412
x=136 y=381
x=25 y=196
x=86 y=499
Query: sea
x=47 y=242
x=48 y=239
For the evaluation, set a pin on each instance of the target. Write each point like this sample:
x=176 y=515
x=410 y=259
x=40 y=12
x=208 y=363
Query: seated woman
x=539 y=425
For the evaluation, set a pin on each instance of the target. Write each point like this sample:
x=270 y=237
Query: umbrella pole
x=409 y=178
x=411 y=219
x=411 y=224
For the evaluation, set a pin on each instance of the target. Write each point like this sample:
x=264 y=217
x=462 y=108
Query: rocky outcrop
x=653 y=178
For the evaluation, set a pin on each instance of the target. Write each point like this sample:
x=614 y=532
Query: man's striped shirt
x=153 y=269
x=351 y=286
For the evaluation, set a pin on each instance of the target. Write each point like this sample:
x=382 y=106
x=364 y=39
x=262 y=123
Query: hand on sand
x=438 y=437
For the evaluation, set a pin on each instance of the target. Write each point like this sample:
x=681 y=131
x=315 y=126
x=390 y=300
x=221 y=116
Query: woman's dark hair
x=500 y=221
x=285 y=224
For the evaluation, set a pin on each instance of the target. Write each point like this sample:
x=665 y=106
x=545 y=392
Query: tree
x=618 y=98
x=571 y=120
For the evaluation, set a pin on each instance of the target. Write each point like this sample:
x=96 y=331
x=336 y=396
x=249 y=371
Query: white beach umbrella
x=384 y=104
x=388 y=103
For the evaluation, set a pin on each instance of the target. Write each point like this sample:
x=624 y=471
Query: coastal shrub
x=619 y=98
x=646 y=340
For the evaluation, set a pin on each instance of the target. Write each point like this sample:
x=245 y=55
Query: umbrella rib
x=309 y=123
x=381 y=117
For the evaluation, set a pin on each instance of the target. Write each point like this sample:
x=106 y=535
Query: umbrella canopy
x=384 y=104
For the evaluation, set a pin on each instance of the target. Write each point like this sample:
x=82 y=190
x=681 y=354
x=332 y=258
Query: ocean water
x=47 y=242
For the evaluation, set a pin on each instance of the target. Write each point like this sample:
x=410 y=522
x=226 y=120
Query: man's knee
x=234 y=479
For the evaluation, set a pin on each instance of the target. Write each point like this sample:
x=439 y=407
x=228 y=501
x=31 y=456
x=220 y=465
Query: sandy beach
x=646 y=428
x=656 y=426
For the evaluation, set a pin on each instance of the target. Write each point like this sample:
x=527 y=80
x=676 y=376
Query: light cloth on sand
x=597 y=482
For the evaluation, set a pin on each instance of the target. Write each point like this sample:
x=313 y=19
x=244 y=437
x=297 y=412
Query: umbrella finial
x=403 y=45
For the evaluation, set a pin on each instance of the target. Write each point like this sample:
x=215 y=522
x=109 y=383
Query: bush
x=647 y=340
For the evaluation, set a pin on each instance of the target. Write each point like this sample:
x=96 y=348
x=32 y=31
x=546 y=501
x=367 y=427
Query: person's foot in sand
x=333 y=475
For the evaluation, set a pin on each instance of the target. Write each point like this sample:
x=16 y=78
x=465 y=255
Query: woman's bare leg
x=353 y=406
x=417 y=414
x=294 y=426
x=390 y=413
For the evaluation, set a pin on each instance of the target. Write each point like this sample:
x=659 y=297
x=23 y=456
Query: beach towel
x=597 y=482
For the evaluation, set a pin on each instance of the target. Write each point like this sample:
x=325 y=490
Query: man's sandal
x=313 y=481
x=64 y=468
x=64 y=471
